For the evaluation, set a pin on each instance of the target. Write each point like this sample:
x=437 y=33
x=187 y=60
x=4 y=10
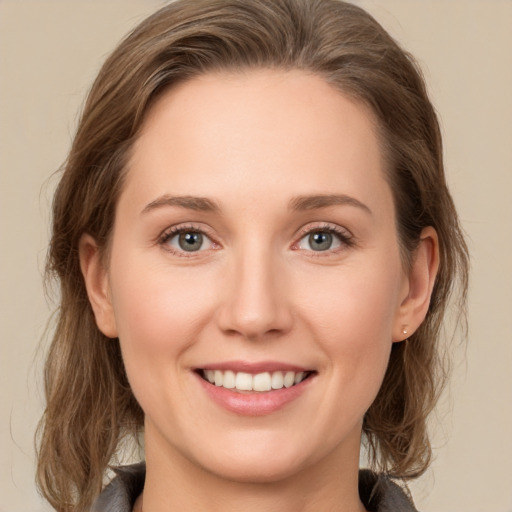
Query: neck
x=175 y=483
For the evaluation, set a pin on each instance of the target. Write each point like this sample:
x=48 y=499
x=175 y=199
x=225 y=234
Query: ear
x=418 y=286
x=97 y=285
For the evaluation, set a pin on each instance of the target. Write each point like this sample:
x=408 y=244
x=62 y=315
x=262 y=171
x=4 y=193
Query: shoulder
x=380 y=494
x=120 y=494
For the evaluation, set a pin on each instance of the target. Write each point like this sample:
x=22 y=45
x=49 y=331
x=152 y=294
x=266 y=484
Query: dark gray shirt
x=378 y=493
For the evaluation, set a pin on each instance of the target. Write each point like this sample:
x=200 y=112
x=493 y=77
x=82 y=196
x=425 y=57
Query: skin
x=252 y=143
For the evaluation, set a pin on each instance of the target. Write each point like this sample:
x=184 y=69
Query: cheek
x=356 y=303
x=351 y=314
x=159 y=314
x=153 y=300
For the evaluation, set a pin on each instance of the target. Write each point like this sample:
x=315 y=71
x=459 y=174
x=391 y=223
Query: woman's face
x=255 y=246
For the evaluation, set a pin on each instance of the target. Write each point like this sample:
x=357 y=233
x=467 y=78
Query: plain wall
x=50 y=51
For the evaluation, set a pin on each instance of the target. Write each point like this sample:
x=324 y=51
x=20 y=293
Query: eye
x=324 y=239
x=183 y=240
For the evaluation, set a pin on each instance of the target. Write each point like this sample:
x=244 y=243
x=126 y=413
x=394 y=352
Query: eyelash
x=170 y=233
x=344 y=236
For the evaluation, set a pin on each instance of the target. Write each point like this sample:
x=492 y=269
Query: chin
x=263 y=457
x=262 y=469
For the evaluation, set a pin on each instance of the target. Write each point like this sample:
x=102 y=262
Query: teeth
x=262 y=382
x=229 y=379
x=242 y=381
x=289 y=379
x=277 y=380
x=298 y=377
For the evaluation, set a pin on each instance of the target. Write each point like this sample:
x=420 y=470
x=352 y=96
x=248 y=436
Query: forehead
x=255 y=131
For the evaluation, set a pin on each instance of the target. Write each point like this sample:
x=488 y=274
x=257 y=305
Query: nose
x=256 y=302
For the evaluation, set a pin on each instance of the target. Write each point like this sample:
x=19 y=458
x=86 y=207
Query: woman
x=256 y=246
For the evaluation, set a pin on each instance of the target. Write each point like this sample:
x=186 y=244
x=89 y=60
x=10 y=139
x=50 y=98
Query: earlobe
x=97 y=285
x=421 y=279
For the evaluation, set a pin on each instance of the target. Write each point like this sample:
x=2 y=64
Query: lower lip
x=255 y=403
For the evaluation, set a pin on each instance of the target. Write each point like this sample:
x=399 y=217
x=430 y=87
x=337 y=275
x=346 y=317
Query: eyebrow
x=201 y=204
x=299 y=203
x=313 y=202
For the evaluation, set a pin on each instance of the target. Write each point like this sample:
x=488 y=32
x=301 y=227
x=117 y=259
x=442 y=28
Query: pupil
x=320 y=241
x=191 y=241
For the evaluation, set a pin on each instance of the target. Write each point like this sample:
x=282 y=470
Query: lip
x=254 y=367
x=253 y=403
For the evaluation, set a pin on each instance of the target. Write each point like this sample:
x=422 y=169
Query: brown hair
x=90 y=406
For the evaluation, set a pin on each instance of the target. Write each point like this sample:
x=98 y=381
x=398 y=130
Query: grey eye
x=190 y=241
x=320 y=241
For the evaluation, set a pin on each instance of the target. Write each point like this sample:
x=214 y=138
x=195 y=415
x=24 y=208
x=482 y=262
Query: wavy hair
x=89 y=404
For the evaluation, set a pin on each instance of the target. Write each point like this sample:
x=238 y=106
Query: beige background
x=50 y=51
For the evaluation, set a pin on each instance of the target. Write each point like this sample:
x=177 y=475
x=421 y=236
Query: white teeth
x=210 y=375
x=277 y=380
x=298 y=377
x=229 y=379
x=242 y=381
x=289 y=379
x=262 y=382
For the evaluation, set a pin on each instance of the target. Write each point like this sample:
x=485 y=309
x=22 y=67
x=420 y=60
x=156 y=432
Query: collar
x=378 y=492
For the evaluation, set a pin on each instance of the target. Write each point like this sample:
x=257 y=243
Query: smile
x=254 y=388
x=260 y=382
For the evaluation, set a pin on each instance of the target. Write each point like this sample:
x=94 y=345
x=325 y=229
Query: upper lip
x=254 y=367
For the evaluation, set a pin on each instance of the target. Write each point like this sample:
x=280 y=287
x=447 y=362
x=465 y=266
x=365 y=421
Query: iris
x=320 y=241
x=190 y=241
